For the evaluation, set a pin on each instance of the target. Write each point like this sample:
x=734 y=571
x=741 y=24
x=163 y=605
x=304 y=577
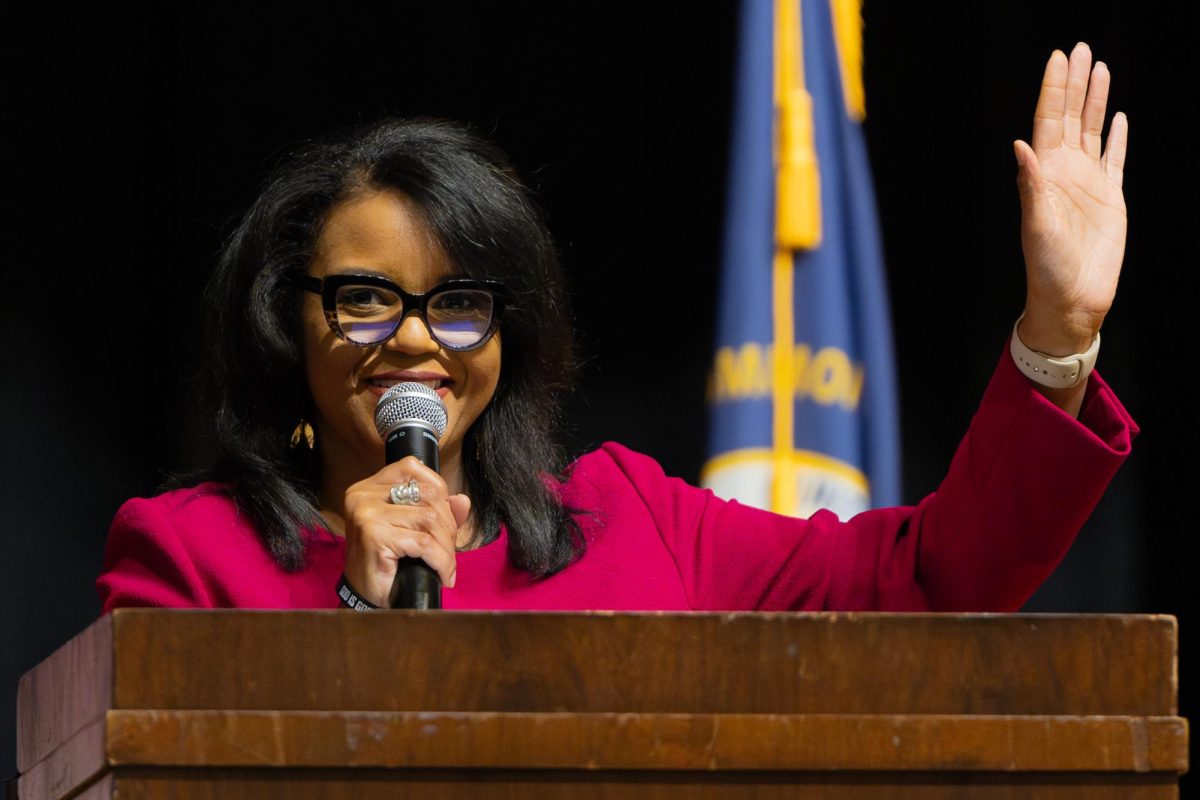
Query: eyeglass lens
x=457 y=318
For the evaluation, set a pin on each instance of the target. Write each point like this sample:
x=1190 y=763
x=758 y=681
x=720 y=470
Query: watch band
x=1052 y=371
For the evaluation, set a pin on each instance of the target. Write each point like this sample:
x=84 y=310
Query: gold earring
x=303 y=433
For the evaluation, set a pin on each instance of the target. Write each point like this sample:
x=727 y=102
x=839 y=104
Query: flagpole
x=797 y=226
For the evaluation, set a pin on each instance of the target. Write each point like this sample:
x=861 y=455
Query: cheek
x=330 y=365
x=487 y=369
x=482 y=370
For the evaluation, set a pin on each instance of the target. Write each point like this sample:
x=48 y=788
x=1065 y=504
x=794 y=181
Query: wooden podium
x=330 y=704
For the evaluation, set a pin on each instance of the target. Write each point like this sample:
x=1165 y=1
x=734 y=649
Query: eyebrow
x=364 y=271
x=374 y=273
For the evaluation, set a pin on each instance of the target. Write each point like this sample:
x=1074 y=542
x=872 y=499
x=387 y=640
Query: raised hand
x=1072 y=208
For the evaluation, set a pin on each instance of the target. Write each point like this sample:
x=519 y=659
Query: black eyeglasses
x=367 y=309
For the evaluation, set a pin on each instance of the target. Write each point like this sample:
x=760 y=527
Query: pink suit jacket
x=1024 y=479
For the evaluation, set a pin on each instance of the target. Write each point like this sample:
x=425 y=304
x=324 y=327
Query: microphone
x=410 y=417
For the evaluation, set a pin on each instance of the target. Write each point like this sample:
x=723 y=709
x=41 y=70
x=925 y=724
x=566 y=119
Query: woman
x=426 y=220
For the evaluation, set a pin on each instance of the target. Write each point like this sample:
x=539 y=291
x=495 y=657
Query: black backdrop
x=133 y=140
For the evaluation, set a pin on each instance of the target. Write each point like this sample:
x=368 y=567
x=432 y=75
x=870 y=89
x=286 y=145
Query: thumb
x=1029 y=171
x=460 y=507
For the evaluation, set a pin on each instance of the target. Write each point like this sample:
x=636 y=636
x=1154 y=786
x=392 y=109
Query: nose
x=412 y=336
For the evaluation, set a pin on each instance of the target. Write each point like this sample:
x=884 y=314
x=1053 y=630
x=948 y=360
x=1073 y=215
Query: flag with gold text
x=802 y=392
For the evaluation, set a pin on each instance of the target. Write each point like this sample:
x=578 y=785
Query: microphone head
x=410 y=403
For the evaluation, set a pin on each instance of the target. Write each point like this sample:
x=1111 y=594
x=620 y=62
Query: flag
x=802 y=392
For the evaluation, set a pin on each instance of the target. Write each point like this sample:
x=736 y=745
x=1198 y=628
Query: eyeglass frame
x=328 y=286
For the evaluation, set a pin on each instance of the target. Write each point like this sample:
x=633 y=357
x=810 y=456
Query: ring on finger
x=405 y=494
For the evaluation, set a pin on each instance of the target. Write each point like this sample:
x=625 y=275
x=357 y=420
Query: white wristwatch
x=1055 y=372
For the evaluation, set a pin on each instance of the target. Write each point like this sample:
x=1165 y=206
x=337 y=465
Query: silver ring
x=405 y=494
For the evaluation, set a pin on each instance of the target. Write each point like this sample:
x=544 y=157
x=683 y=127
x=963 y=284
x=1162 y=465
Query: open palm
x=1072 y=208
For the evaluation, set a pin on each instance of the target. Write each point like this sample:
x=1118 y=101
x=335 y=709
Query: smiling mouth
x=380 y=384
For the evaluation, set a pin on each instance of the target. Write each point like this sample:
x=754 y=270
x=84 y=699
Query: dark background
x=133 y=141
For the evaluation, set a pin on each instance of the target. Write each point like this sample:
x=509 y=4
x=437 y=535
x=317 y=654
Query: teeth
x=388 y=383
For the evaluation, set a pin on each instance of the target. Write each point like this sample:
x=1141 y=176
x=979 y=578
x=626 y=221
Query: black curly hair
x=489 y=228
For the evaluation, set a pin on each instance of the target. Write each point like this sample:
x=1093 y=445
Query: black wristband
x=350 y=598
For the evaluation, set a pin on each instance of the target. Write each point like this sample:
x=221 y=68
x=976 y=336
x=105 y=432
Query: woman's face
x=383 y=232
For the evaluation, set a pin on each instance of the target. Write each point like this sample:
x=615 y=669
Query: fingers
x=1114 y=151
x=379 y=532
x=1052 y=100
x=424 y=531
x=1078 y=71
x=1094 y=108
x=1072 y=102
x=407 y=469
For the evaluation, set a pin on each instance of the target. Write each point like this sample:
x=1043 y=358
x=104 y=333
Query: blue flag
x=802 y=392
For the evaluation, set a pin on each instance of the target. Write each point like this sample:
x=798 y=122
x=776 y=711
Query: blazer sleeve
x=146 y=563
x=1023 y=481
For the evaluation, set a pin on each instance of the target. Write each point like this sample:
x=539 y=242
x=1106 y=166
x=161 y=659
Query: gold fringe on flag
x=847 y=32
x=797 y=183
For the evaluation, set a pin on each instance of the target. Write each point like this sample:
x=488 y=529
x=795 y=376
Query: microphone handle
x=417 y=584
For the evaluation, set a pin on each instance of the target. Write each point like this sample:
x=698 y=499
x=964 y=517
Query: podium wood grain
x=181 y=704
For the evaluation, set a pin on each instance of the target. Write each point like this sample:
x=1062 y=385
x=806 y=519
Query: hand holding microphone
x=402 y=526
